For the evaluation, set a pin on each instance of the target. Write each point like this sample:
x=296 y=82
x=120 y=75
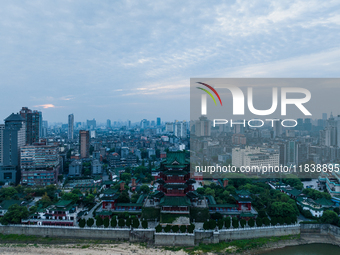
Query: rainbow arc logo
x=209 y=93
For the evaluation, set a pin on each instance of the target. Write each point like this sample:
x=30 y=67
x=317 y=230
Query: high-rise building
x=108 y=123
x=330 y=132
x=33 y=125
x=124 y=152
x=169 y=127
x=180 y=129
x=40 y=125
x=39 y=164
x=203 y=127
x=70 y=126
x=14 y=137
x=129 y=123
x=159 y=121
x=44 y=128
x=2 y=127
x=324 y=116
x=84 y=140
x=291 y=153
x=277 y=128
x=143 y=123
x=91 y=124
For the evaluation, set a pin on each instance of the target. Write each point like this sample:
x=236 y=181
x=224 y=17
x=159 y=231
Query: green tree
x=113 y=222
x=243 y=223
x=212 y=224
x=262 y=213
x=82 y=223
x=191 y=228
x=14 y=215
x=220 y=223
x=90 y=222
x=134 y=198
x=144 y=224
x=206 y=225
x=144 y=189
x=282 y=209
x=106 y=222
x=89 y=199
x=45 y=200
x=280 y=220
x=258 y=222
x=99 y=221
x=123 y=198
x=33 y=209
x=227 y=222
x=7 y=193
x=209 y=191
x=288 y=220
x=200 y=191
x=251 y=222
x=128 y=222
x=217 y=216
x=235 y=222
x=158 y=228
x=167 y=228
x=71 y=196
x=266 y=221
x=293 y=219
x=175 y=228
x=126 y=177
x=183 y=228
x=135 y=222
x=329 y=217
x=121 y=223
x=273 y=221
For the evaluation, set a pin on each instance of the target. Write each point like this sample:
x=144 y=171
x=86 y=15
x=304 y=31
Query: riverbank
x=73 y=249
x=22 y=244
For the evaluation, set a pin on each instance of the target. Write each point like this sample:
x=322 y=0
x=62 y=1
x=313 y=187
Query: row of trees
x=176 y=228
x=236 y=223
x=106 y=222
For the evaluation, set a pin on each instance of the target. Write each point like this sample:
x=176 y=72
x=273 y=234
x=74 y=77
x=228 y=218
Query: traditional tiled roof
x=211 y=200
x=63 y=203
x=175 y=201
x=294 y=192
x=157 y=194
x=243 y=192
x=110 y=191
x=141 y=199
x=246 y=214
x=175 y=172
x=242 y=195
x=175 y=186
x=7 y=203
x=194 y=194
x=324 y=201
x=177 y=157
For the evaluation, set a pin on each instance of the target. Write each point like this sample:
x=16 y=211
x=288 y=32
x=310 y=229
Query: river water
x=308 y=249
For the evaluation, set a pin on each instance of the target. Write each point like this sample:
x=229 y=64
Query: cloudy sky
x=134 y=59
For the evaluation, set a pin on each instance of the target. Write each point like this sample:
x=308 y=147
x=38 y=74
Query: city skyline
x=91 y=59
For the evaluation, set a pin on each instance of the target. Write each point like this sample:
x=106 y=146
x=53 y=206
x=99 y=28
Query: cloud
x=67 y=98
x=84 y=53
x=45 y=106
